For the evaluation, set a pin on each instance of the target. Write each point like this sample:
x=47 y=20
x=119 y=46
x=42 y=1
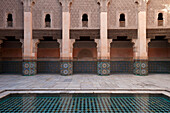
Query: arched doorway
x=159 y=54
x=121 y=55
x=85 y=56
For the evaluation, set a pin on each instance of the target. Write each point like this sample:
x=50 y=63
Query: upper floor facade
x=84 y=14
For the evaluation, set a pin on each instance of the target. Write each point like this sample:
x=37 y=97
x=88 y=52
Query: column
x=103 y=65
x=140 y=49
x=66 y=57
x=29 y=59
x=1 y=41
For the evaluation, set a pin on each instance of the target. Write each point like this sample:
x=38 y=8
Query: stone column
x=103 y=64
x=1 y=41
x=140 y=49
x=29 y=58
x=66 y=58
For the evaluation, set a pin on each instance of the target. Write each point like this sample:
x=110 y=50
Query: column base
x=29 y=68
x=141 y=67
x=103 y=67
x=66 y=68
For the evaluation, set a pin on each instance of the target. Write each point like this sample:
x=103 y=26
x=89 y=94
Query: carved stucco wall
x=154 y=7
x=128 y=7
x=15 y=8
x=79 y=7
x=90 y=7
x=43 y=7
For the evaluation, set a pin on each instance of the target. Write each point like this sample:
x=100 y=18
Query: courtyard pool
x=85 y=103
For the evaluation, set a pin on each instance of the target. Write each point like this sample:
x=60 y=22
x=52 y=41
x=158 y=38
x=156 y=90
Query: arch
x=122 y=17
x=85 y=20
x=85 y=17
x=122 y=20
x=10 y=20
x=47 y=20
x=160 y=16
x=160 y=19
x=85 y=54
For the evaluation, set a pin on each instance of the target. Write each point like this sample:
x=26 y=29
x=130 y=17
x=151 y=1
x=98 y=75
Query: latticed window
x=122 y=20
x=85 y=20
x=47 y=21
x=10 y=20
x=160 y=19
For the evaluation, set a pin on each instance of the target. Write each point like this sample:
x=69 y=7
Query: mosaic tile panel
x=141 y=67
x=159 y=66
x=66 y=68
x=121 y=67
x=52 y=67
x=11 y=67
x=85 y=67
x=29 y=68
x=103 y=67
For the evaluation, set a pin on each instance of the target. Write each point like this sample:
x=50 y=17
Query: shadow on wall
x=85 y=54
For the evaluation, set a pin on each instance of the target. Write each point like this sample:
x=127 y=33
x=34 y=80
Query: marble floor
x=85 y=82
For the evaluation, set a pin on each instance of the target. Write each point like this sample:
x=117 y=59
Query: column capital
x=65 y=5
x=35 y=43
x=103 y=5
x=28 y=5
x=142 y=4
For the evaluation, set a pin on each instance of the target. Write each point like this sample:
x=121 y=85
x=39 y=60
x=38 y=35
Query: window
x=85 y=20
x=160 y=19
x=47 y=21
x=10 y=20
x=122 y=20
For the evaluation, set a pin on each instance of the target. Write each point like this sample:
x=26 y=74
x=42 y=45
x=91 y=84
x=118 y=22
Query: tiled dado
x=103 y=67
x=141 y=67
x=29 y=68
x=66 y=68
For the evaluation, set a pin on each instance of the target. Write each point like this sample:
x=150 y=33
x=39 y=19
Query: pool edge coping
x=4 y=93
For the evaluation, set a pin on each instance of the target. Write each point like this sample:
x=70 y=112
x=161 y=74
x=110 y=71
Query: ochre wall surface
x=11 y=53
x=77 y=50
x=159 y=52
x=48 y=53
x=121 y=52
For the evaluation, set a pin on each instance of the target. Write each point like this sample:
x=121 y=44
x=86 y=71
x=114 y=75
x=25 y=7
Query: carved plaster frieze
x=98 y=47
x=142 y=4
x=35 y=43
x=28 y=5
x=60 y=42
x=65 y=5
x=103 y=5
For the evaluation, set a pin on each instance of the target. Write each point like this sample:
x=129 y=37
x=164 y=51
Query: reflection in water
x=142 y=103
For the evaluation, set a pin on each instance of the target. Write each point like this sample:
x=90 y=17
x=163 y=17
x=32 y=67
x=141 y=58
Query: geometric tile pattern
x=89 y=67
x=48 y=67
x=29 y=68
x=69 y=104
x=159 y=66
x=141 y=67
x=66 y=68
x=103 y=67
x=121 y=67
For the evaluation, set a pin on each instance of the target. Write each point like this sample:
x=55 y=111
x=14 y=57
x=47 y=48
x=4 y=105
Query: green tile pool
x=85 y=103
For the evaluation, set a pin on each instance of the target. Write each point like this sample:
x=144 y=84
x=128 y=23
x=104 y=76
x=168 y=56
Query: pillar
x=103 y=65
x=140 y=44
x=29 y=65
x=1 y=41
x=66 y=58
